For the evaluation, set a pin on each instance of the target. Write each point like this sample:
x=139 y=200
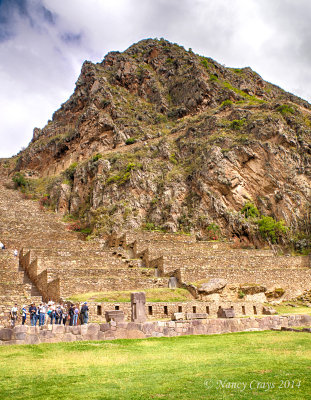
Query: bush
x=124 y=175
x=204 y=62
x=213 y=231
x=250 y=211
x=237 y=124
x=285 y=109
x=271 y=229
x=150 y=226
x=19 y=181
x=130 y=141
x=238 y=70
x=227 y=103
x=74 y=226
x=70 y=171
x=172 y=158
x=97 y=157
x=44 y=201
x=213 y=77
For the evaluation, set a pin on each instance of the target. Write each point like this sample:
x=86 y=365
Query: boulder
x=58 y=329
x=19 y=336
x=69 y=337
x=6 y=334
x=196 y=315
x=268 y=311
x=20 y=329
x=104 y=327
x=178 y=316
x=114 y=315
x=93 y=328
x=251 y=289
x=214 y=285
x=46 y=334
x=134 y=334
x=225 y=313
x=32 y=339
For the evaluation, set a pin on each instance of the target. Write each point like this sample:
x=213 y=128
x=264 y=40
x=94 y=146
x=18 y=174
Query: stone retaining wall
x=130 y=330
x=159 y=310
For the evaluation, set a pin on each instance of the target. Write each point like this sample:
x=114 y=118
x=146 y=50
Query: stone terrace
x=202 y=260
x=81 y=266
x=91 y=266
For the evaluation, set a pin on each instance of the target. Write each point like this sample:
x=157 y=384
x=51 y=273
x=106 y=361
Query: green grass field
x=123 y=296
x=300 y=309
x=249 y=365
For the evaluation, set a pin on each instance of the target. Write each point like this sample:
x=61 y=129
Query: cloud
x=43 y=44
x=40 y=61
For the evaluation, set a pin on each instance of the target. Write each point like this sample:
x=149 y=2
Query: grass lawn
x=300 y=309
x=124 y=296
x=249 y=365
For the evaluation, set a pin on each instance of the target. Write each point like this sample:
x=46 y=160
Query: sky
x=43 y=44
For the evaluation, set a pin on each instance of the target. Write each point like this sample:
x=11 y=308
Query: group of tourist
x=51 y=313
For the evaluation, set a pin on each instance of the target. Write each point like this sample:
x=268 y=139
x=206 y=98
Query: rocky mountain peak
x=161 y=137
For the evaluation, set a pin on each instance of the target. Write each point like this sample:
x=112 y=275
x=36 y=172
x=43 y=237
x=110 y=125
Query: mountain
x=162 y=138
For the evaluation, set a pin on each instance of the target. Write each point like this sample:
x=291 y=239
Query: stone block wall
x=130 y=330
x=163 y=310
x=292 y=280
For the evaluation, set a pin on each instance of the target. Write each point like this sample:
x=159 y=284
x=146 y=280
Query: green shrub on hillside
x=130 y=141
x=271 y=229
x=172 y=158
x=19 y=181
x=250 y=210
x=213 y=77
x=124 y=176
x=238 y=71
x=205 y=63
x=150 y=226
x=227 y=103
x=213 y=231
x=285 y=109
x=237 y=124
x=97 y=157
x=70 y=171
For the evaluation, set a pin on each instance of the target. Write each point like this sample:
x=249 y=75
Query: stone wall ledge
x=22 y=334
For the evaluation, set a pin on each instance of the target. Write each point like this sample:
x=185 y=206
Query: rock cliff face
x=161 y=137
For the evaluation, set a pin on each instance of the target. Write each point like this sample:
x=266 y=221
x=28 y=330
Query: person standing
x=32 y=312
x=15 y=253
x=53 y=313
x=13 y=315
x=37 y=316
x=59 y=314
x=71 y=314
x=65 y=316
x=56 y=315
x=42 y=312
x=85 y=313
x=24 y=314
x=75 y=315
